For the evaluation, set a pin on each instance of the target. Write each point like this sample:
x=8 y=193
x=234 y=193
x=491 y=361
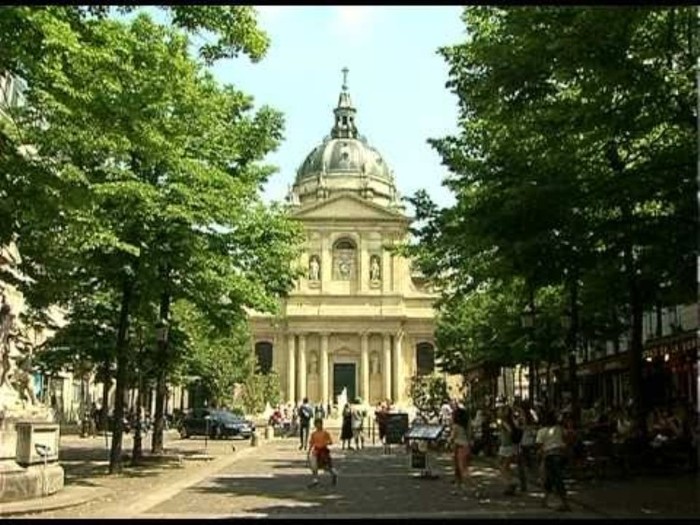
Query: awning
x=672 y=344
x=607 y=364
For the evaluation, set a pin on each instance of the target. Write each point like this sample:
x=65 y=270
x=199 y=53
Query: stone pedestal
x=31 y=437
x=24 y=473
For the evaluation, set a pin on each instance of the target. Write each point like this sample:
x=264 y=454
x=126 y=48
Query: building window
x=425 y=359
x=344 y=254
x=263 y=357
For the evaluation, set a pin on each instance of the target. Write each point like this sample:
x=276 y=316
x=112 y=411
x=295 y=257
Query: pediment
x=348 y=206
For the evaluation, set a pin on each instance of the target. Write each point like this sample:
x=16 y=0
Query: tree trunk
x=636 y=351
x=161 y=387
x=573 y=350
x=137 y=451
x=115 y=463
x=104 y=411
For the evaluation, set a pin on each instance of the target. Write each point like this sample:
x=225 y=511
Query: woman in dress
x=346 y=428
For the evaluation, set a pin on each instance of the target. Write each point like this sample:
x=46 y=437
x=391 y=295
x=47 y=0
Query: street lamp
x=527 y=321
x=566 y=321
x=527 y=317
x=162 y=332
x=159 y=423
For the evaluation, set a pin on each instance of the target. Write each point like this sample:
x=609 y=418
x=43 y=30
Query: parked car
x=218 y=423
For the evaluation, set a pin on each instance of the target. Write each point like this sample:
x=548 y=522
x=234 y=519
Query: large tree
x=151 y=170
x=574 y=162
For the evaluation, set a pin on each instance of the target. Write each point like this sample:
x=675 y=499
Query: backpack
x=305 y=413
x=516 y=435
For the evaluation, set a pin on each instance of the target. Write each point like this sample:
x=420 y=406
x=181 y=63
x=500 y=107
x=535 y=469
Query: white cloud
x=354 y=21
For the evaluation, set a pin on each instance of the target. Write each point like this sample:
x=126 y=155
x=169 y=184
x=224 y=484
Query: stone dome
x=344 y=162
x=343 y=156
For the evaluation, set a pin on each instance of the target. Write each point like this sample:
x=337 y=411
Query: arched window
x=425 y=359
x=263 y=357
x=344 y=254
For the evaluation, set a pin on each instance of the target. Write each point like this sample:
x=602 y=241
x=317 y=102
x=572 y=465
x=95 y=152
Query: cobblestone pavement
x=86 y=465
x=370 y=485
x=271 y=480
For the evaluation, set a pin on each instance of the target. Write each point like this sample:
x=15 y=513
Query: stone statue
x=6 y=323
x=344 y=269
x=343 y=398
x=374 y=363
x=314 y=269
x=313 y=363
x=22 y=376
x=15 y=378
x=374 y=270
x=292 y=197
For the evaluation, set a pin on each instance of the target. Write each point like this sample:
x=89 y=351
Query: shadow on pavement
x=369 y=483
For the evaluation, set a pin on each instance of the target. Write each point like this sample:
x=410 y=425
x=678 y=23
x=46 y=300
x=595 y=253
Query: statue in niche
x=344 y=269
x=343 y=260
x=314 y=268
x=374 y=363
x=374 y=269
x=313 y=363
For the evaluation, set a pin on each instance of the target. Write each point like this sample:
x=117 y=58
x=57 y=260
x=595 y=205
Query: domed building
x=359 y=321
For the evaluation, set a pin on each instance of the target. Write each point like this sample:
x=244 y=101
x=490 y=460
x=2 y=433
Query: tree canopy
x=573 y=168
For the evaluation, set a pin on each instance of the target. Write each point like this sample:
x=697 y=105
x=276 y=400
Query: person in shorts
x=319 y=453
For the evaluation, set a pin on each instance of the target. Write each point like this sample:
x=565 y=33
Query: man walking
x=306 y=414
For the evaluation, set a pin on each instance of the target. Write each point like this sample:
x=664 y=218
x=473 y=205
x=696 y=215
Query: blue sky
x=396 y=80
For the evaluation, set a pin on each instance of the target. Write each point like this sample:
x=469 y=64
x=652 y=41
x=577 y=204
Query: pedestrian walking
x=506 y=450
x=357 y=419
x=320 y=454
x=517 y=434
x=306 y=414
x=552 y=452
x=461 y=444
x=346 y=428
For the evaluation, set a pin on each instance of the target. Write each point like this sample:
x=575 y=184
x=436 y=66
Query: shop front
x=670 y=369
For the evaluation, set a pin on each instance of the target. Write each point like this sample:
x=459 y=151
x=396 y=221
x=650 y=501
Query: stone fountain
x=29 y=439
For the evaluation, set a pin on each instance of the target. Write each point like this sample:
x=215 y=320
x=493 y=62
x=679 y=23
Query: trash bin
x=269 y=432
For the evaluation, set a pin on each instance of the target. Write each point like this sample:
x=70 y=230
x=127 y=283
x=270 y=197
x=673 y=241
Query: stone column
x=364 y=367
x=363 y=276
x=326 y=259
x=324 y=369
x=386 y=273
x=386 y=367
x=290 y=369
x=398 y=367
x=301 y=376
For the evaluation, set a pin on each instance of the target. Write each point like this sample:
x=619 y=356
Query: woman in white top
x=461 y=444
x=506 y=449
x=551 y=440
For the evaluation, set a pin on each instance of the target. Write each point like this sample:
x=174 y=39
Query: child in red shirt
x=319 y=454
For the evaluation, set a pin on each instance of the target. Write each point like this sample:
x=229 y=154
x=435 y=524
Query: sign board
x=396 y=428
x=419 y=459
x=425 y=432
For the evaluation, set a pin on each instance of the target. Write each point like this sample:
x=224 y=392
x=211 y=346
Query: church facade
x=360 y=319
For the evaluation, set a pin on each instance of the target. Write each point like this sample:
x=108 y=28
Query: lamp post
x=567 y=323
x=697 y=336
x=158 y=424
x=527 y=321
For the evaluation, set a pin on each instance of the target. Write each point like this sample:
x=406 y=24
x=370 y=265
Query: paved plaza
x=271 y=481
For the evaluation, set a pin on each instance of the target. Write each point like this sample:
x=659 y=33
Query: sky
x=396 y=81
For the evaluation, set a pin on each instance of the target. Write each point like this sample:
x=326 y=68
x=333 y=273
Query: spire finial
x=345 y=71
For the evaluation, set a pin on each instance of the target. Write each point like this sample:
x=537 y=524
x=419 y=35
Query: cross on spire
x=345 y=71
